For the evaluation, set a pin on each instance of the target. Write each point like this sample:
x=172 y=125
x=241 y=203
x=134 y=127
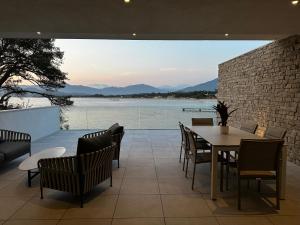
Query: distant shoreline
x=171 y=95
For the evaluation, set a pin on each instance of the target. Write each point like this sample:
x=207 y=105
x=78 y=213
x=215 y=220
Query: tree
x=34 y=61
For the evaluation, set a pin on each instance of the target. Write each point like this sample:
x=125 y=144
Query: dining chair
x=249 y=127
x=202 y=122
x=197 y=154
x=183 y=140
x=231 y=157
x=259 y=159
x=275 y=133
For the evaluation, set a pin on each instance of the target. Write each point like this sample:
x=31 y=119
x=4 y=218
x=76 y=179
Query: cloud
x=167 y=69
x=128 y=73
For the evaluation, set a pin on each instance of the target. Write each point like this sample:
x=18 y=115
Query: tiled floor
x=149 y=188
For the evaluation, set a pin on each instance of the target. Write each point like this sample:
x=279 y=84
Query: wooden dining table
x=231 y=142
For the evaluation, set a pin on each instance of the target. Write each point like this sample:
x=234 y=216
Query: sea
x=133 y=113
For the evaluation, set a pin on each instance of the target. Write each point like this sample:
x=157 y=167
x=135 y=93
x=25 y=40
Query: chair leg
x=227 y=170
x=193 y=181
x=222 y=177
x=187 y=167
x=183 y=162
x=277 y=192
x=258 y=185
x=111 y=181
x=81 y=201
x=180 y=154
x=239 y=193
x=42 y=194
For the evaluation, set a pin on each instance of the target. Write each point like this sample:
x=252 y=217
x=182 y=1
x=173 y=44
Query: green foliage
x=222 y=109
x=33 y=61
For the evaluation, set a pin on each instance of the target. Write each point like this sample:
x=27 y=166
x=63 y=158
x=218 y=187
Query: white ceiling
x=150 y=19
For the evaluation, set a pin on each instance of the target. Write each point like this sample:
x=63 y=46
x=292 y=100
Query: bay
x=100 y=113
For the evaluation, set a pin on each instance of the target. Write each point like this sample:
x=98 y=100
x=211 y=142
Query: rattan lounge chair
x=77 y=174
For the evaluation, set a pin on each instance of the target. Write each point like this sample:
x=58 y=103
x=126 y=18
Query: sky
x=157 y=63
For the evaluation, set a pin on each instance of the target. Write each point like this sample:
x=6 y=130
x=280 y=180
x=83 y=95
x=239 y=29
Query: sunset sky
x=157 y=63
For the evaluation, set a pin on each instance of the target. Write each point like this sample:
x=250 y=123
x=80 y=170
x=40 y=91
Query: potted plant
x=222 y=109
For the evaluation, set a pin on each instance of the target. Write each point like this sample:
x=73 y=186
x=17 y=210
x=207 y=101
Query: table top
x=31 y=162
x=213 y=135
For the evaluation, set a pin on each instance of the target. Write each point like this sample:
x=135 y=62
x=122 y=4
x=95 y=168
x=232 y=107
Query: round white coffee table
x=31 y=163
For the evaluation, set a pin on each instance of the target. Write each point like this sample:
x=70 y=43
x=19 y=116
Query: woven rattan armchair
x=77 y=174
x=117 y=138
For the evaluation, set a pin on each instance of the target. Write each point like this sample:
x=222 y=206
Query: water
x=96 y=113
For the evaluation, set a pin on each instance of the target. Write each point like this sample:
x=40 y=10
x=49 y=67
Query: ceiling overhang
x=150 y=19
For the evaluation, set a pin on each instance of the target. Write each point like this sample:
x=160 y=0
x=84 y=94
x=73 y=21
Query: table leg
x=31 y=175
x=283 y=172
x=214 y=174
x=29 y=178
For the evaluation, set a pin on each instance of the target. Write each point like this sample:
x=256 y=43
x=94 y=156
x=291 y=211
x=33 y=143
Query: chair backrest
x=275 y=133
x=202 y=122
x=191 y=142
x=249 y=127
x=183 y=137
x=260 y=155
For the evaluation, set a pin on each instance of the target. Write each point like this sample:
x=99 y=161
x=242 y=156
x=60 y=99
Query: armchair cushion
x=115 y=129
x=12 y=150
x=88 y=145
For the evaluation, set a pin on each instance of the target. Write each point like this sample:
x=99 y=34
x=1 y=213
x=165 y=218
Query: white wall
x=38 y=122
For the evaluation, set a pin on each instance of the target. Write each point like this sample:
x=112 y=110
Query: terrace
x=148 y=188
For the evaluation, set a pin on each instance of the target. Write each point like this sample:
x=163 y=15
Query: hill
x=207 y=86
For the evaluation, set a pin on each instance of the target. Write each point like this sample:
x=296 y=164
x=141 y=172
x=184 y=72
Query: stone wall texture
x=264 y=85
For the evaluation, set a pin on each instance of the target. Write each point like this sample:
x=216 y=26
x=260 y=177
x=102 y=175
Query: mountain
x=74 y=90
x=207 y=86
x=173 y=88
x=99 y=86
x=78 y=90
x=131 y=89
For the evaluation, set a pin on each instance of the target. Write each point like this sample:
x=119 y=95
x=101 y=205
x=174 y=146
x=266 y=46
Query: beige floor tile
x=118 y=172
x=175 y=185
x=192 y=221
x=139 y=221
x=144 y=162
x=252 y=204
x=243 y=220
x=140 y=154
x=131 y=206
x=19 y=189
x=45 y=208
x=289 y=207
x=31 y=222
x=104 y=188
x=98 y=207
x=140 y=172
x=185 y=206
x=139 y=186
x=4 y=183
x=285 y=220
x=166 y=171
x=8 y=206
x=85 y=222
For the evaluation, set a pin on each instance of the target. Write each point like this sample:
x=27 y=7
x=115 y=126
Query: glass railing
x=100 y=113
x=137 y=113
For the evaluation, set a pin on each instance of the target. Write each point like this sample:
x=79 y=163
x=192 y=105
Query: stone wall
x=264 y=85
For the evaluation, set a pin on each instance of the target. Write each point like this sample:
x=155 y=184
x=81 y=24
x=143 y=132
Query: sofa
x=13 y=145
